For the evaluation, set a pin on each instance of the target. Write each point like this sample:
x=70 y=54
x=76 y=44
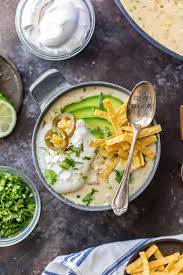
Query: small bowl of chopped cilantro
x=19 y=206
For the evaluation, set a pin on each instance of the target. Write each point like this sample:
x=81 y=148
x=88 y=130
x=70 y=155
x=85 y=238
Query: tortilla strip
x=107 y=155
x=148 y=140
x=122 y=145
x=144 y=132
x=97 y=142
x=159 y=255
x=112 y=115
x=157 y=273
x=139 y=146
x=124 y=154
x=169 y=266
x=117 y=139
x=142 y=162
x=121 y=114
x=145 y=150
x=177 y=267
x=145 y=263
x=101 y=114
x=160 y=262
x=110 y=167
x=121 y=109
x=136 y=161
x=123 y=163
x=131 y=268
x=122 y=120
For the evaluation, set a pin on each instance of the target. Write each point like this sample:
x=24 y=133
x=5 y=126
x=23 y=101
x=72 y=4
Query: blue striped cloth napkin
x=107 y=259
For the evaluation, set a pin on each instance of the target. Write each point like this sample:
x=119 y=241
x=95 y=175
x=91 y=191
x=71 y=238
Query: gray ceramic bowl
x=168 y=246
x=46 y=90
x=30 y=227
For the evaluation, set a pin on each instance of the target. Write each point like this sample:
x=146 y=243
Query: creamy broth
x=106 y=189
x=161 y=19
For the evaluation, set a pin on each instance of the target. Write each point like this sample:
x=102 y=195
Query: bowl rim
x=148 y=243
x=30 y=227
x=36 y=128
x=36 y=51
x=149 y=38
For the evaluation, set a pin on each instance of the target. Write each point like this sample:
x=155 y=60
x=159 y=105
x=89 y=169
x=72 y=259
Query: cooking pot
x=46 y=90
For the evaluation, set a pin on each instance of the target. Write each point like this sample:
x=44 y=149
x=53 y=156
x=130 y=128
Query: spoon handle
x=120 y=201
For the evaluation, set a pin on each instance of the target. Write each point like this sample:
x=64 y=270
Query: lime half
x=8 y=117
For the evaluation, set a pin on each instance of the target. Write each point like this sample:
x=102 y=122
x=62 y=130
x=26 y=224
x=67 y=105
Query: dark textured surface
x=117 y=54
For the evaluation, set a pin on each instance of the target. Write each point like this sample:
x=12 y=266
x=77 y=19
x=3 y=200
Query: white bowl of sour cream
x=55 y=29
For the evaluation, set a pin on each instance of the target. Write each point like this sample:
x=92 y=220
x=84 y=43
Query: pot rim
x=38 y=170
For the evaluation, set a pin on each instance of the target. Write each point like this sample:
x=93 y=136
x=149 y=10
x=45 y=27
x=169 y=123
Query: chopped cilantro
x=50 y=176
x=100 y=133
x=89 y=197
x=106 y=132
x=100 y=102
x=17 y=204
x=67 y=163
x=85 y=177
x=76 y=150
x=119 y=176
x=86 y=158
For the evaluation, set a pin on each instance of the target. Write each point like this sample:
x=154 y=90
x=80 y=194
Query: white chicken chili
x=67 y=154
x=161 y=19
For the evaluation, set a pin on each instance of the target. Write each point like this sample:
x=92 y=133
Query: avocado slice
x=93 y=102
x=98 y=125
x=84 y=112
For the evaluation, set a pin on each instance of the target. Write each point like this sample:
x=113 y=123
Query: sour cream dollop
x=73 y=179
x=56 y=27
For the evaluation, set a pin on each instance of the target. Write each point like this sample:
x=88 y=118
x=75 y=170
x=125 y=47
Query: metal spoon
x=140 y=113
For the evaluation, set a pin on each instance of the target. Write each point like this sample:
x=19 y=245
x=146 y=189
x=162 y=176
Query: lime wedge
x=8 y=117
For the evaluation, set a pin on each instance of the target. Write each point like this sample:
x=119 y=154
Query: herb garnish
x=100 y=133
x=77 y=150
x=100 y=102
x=86 y=158
x=89 y=197
x=67 y=163
x=119 y=176
x=17 y=204
x=50 y=176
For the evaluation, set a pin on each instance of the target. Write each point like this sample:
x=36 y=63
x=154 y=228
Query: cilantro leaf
x=100 y=133
x=86 y=158
x=100 y=102
x=119 y=176
x=50 y=176
x=76 y=150
x=67 y=163
x=89 y=197
x=106 y=132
